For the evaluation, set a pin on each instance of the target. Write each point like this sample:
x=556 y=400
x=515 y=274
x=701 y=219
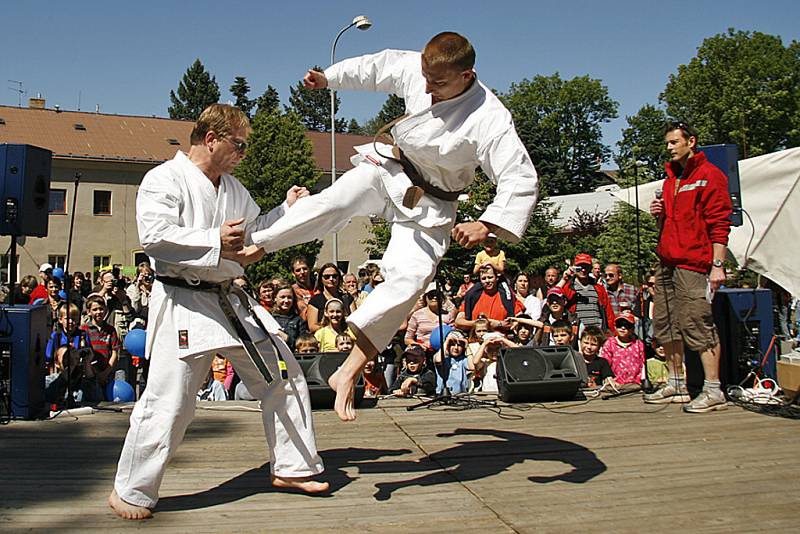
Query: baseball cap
x=414 y=350
x=582 y=258
x=44 y=267
x=430 y=287
x=557 y=291
x=626 y=316
x=455 y=334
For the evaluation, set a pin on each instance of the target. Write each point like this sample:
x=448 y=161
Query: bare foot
x=126 y=510
x=306 y=484
x=344 y=387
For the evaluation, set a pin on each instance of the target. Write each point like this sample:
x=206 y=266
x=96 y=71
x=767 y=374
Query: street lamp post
x=362 y=23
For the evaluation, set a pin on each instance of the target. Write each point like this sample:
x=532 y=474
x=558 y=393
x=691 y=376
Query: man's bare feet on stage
x=344 y=386
x=306 y=484
x=127 y=510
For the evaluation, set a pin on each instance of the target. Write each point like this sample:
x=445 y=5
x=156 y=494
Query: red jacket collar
x=674 y=169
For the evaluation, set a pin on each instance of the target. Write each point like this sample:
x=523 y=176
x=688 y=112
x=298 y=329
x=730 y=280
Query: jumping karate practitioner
x=454 y=124
x=193 y=219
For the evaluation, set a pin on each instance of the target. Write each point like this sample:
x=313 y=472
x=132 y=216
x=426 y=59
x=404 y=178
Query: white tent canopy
x=771 y=198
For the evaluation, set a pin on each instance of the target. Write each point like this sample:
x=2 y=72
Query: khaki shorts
x=681 y=309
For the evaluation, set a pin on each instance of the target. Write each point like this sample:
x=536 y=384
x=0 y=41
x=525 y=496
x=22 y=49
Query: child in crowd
x=374 y=381
x=553 y=311
x=657 y=369
x=414 y=377
x=599 y=369
x=491 y=253
x=306 y=344
x=476 y=333
x=485 y=360
x=69 y=356
x=562 y=333
x=344 y=343
x=522 y=327
x=625 y=352
x=220 y=380
x=104 y=339
x=455 y=371
x=333 y=324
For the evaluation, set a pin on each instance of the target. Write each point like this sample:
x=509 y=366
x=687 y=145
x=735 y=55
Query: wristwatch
x=717 y=263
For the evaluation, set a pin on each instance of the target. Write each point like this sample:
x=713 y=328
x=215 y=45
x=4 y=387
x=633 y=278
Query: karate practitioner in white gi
x=454 y=124
x=193 y=219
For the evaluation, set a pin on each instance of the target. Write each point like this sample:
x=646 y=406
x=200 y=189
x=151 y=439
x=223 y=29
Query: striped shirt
x=587 y=308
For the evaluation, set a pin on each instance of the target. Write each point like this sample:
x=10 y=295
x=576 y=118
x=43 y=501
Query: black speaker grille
x=526 y=365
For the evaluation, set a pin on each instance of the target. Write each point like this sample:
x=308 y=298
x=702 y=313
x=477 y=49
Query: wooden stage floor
x=604 y=466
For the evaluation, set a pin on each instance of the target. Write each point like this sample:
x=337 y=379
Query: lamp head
x=362 y=23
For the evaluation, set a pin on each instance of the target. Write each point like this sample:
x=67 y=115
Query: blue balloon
x=39 y=301
x=120 y=391
x=135 y=342
x=435 y=341
x=62 y=295
x=58 y=272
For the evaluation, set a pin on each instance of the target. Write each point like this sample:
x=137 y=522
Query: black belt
x=223 y=289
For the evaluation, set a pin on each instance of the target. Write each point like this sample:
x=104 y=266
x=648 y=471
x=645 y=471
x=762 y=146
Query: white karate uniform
x=179 y=214
x=446 y=142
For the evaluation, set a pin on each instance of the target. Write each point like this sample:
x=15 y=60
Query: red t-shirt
x=491 y=306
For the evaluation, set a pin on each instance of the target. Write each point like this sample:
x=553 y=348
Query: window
x=58 y=201
x=100 y=263
x=4 y=273
x=57 y=260
x=102 y=203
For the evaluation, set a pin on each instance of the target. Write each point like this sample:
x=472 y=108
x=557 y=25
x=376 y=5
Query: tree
x=354 y=128
x=240 y=89
x=642 y=148
x=196 y=91
x=559 y=121
x=617 y=243
x=279 y=155
x=394 y=107
x=268 y=102
x=742 y=88
x=314 y=107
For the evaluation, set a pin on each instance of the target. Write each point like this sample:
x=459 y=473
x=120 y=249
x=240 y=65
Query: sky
x=125 y=57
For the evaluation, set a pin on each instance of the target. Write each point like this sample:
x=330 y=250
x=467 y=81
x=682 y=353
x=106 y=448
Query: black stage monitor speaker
x=726 y=157
x=24 y=190
x=538 y=374
x=318 y=368
x=23 y=340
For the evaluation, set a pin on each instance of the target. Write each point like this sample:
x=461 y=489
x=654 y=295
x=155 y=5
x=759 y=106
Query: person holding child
x=332 y=325
x=285 y=313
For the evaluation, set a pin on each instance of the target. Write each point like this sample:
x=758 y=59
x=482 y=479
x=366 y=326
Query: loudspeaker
x=726 y=158
x=23 y=340
x=24 y=190
x=318 y=368
x=538 y=373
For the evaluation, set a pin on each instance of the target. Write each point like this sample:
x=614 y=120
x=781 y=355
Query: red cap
x=555 y=290
x=582 y=258
x=625 y=315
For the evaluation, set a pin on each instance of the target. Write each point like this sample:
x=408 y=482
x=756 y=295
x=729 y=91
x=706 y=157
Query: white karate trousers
x=160 y=418
x=408 y=264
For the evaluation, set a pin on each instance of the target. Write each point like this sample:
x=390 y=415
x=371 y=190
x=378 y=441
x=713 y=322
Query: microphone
x=659 y=194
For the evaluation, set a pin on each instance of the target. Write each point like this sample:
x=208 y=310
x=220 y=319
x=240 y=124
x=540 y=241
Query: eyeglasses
x=240 y=146
x=330 y=276
x=611 y=275
x=687 y=130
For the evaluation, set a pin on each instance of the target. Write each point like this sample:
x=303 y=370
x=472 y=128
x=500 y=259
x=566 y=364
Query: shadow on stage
x=470 y=459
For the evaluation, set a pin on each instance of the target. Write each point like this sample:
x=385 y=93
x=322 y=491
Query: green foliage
x=394 y=107
x=742 y=88
x=196 y=91
x=268 y=102
x=618 y=243
x=240 y=89
x=279 y=155
x=642 y=148
x=314 y=107
x=559 y=121
x=354 y=128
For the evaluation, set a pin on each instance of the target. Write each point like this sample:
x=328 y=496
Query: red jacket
x=606 y=311
x=695 y=216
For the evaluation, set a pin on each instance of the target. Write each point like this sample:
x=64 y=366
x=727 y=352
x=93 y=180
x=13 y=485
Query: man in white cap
x=40 y=291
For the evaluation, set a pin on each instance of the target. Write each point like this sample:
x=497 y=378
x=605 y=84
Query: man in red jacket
x=693 y=217
x=587 y=299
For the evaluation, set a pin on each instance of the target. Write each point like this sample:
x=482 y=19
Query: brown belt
x=420 y=185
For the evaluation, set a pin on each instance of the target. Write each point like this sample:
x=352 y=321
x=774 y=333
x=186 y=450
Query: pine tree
x=394 y=107
x=314 y=107
x=196 y=91
x=269 y=101
x=279 y=155
x=240 y=89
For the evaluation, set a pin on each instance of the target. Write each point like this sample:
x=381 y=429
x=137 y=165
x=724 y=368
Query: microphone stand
x=646 y=384
x=68 y=289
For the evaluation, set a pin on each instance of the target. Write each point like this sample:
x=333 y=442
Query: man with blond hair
x=193 y=219
x=453 y=124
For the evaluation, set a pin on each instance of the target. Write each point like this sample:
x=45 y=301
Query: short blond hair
x=219 y=118
x=450 y=50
